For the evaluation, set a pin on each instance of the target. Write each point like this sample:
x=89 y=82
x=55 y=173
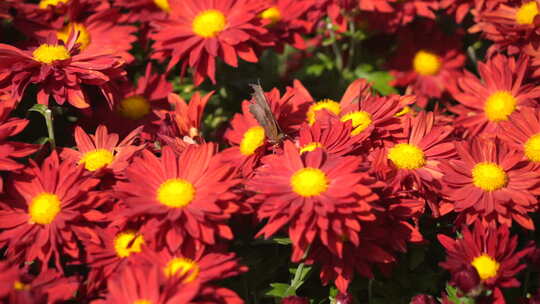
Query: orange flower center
x=181 y=266
x=532 y=148
x=326 y=104
x=48 y=53
x=526 y=13
x=142 y=301
x=128 y=242
x=18 y=285
x=44 y=207
x=489 y=176
x=360 y=121
x=310 y=147
x=499 y=106
x=486 y=266
x=43 y=4
x=134 y=107
x=163 y=5
x=176 y=193
x=308 y=182
x=97 y=159
x=426 y=63
x=253 y=138
x=209 y=23
x=273 y=14
x=84 y=36
x=407 y=156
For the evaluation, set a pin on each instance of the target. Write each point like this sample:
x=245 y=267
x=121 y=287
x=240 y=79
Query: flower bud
x=294 y=300
x=466 y=279
x=423 y=299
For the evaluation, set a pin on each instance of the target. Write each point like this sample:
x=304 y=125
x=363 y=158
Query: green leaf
x=282 y=241
x=279 y=290
x=380 y=80
x=455 y=298
x=39 y=108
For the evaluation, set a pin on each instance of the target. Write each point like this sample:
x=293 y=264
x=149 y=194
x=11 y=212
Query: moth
x=260 y=108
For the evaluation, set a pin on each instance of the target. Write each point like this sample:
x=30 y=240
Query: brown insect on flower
x=264 y=116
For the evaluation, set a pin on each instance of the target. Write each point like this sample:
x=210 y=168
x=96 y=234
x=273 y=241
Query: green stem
x=337 y=52
x=352 y=29
x=50 y=128
x=297 y=274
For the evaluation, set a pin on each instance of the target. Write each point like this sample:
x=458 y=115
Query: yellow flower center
x=163 y=5
x=407 y=156
x=253 y=138
x=273 y=14
x=134 y=107
x=48 y=53
x=486 y=266
x=44 y=208
x=526 y=13
x=18 y=285
x=310 y=147
x=532 y=148
x=84 y=36
x=209 y=23
x=309 y=182
x=128 y=242
x=489 y=176
x=499 y=106
x=404 y=111
x=426 y=63
x=181 y=266
x=360 y=121
x=43 y=4
x=142 y=301
x=96 y=159
x=326 y=104
x=176 y=193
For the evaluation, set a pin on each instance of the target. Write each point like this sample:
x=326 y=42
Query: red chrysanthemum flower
x=182 y=126
x=286 y=21
x=522 y=132
x=335 y=137
x=185 y=199
x=48 y=287
x=139 y=105
x=102 y=150
x=380 y=240
x=144 y=284
x=201 y=269
x=491 y=183
x=401 y=13
x=59 y=70
x=369 y=114
x=144 y=10
x=99 y=33
x=113 y=250
x=426 y=66
x=510 y=24
x=414 y=158
x=493 y=98
x=317 y=197
x=491 y=252
x=50 y=207
x=197 y=32
x=10 y=150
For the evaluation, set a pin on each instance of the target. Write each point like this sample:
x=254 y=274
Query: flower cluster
x=164 y=174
